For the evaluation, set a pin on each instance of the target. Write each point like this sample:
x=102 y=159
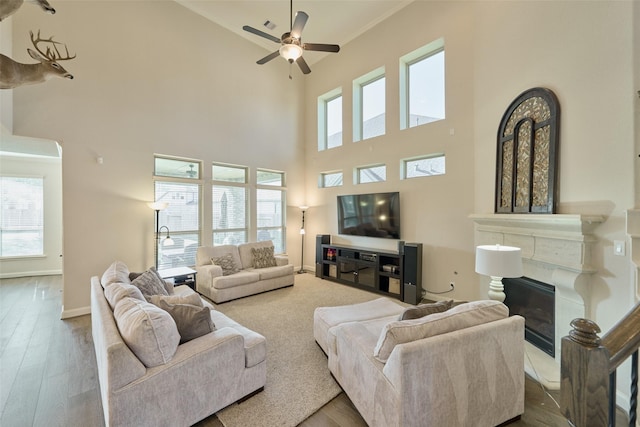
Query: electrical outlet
x=452 y=284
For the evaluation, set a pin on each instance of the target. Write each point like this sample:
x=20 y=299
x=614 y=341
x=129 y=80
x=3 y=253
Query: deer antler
x=50 y=54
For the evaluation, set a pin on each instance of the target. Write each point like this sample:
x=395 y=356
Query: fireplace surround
x=557 y=249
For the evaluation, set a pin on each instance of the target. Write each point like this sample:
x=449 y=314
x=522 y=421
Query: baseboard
x=31 y=273
x=68 y=314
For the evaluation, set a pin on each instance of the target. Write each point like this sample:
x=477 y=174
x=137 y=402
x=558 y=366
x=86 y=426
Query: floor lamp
x=157 y=207
x=498 y=261
x=302 y=233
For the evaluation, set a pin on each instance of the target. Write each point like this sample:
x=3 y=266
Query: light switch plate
x=618 y=247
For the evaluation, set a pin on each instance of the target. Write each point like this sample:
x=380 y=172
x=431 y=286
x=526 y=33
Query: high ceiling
x=333 y=22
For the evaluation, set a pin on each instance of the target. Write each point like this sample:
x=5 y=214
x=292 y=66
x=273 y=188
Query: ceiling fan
x=291 y=46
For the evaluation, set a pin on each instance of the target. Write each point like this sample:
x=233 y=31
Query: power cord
x=444 y=292
x=544 y=390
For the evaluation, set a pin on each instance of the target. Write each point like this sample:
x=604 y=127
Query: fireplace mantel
x=563 y=240
x=556 y=249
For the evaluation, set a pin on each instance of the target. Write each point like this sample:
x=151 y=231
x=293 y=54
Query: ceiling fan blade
x=298 y=24
x=321 y=47
x=261 y=34
x=303 y=65
x=268 y=57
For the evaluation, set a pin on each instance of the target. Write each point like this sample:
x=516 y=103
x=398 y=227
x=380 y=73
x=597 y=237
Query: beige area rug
x=298 y=380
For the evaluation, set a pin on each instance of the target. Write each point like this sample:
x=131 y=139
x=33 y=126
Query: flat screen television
x=371 y=215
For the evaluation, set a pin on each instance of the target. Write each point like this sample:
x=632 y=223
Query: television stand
x=397 y=274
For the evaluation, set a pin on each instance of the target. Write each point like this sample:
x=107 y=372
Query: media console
x=395 y=274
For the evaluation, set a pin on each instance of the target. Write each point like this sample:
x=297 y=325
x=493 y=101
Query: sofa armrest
x=282 y=259
x=478 y=367
x=208 y=272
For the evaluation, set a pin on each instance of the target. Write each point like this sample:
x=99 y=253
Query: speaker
x=412 y=273
x=321 y=239
x=400 y=247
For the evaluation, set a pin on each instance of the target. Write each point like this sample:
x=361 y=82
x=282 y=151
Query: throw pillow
x=193 y=299
x=117 y=272
x=425 y=309
x=459 y=317
x=150 y=332
x=116 y=291
x=192 y=321
x=227 y=263
x=168 y=286
x=263 y=257
x=149 y=284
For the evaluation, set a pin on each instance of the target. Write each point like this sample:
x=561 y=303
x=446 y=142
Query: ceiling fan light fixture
x=290 y=52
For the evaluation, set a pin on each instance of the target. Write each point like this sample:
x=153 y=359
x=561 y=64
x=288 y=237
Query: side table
x=180 y=276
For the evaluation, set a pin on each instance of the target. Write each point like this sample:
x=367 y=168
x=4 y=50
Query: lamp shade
x=158 y=206
x=499 y=261
x=290 y=52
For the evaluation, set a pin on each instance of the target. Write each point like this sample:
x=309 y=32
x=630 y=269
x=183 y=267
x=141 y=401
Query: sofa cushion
x=246 y=255
x=117 y=272
x=255 y=345
x=243 y=277
x=150 y=284
x=150 y=332
x=227 y=263
x=263 y=257
x=459 y=317
x=116 y=291
x=425 y=309
x=273 y=272
x=192 y=320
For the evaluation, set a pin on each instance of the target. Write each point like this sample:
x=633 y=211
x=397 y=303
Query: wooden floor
x=48 y=374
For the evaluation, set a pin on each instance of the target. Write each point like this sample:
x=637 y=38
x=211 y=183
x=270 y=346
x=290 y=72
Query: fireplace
x=535 y=301
x=557 y=249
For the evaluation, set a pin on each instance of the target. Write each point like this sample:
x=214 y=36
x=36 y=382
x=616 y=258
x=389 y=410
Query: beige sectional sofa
x=460 y=367
x=190 y=381
x=222 y=285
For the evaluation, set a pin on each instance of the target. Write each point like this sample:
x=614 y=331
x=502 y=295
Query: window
x=330 y=120
x=369 y=105
x=330 y=179
x=422 y=91
x=229 y=204
x=376 y=173
x=177 y=183
x=21 y=216
x=270 y=203
x=423 y=166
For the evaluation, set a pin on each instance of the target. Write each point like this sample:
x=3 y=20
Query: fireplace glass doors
x=535 y=301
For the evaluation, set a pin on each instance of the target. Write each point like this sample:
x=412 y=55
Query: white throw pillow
x=150 y=332
x=116 y=291
x=459 y=317
x=117 y=272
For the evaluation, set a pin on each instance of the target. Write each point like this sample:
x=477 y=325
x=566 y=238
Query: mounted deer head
x=14 y=74
x=9 y=7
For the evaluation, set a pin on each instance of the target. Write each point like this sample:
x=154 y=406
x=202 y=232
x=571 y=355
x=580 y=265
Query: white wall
x=51 y=170
x=494 y=51
x=150 y=77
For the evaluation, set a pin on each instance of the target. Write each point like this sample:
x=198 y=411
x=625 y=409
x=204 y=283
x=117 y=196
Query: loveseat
x=459 y=366
x=229 y=272
x=157 y=379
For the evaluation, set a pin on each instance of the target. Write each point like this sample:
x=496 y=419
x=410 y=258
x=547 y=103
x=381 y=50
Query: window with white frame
x=422 y=85
x=229 y=204
x=430 y=165
x=369 y=105
x=330 y=179
x=330 y=120
x=21 y=216
x=374 y=173
x=177 y=183
x=270 y=208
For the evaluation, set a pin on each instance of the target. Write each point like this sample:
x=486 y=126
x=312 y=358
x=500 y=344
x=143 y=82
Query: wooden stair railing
x=588 y=370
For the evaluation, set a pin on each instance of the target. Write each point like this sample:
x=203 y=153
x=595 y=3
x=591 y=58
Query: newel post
x=584 y=387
